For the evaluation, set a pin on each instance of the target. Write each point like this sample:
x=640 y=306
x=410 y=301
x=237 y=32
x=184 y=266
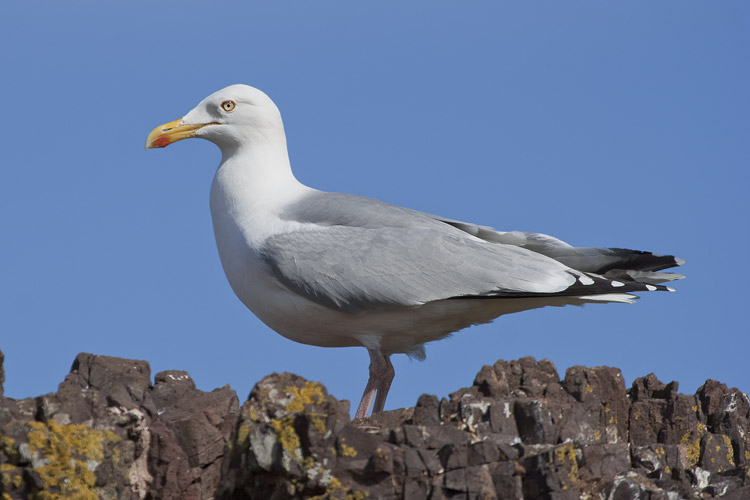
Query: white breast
x=245 y=212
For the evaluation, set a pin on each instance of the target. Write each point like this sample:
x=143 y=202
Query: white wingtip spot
x=611 y=297
x=618 y=284
x=650 y=288
x=585 y=280
x=670 y=289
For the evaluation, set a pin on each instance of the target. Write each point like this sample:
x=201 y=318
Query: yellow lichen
x=659 y=451
x=346 y=450
x=588 y=390
x=287 y=434
x=6 y=442
x=243 y=432
x=335 y=488
x=568 y=453
x=72 y=453
x=693 y=452
x=11 y=475
x=692 y=440
x=311 y=393
x=730 y=450
x=319 y=423
x=597 y=435
x=116 y=455
x=667 y=470
x=356 y=495
x=636 y=414
x=7 y=446
x=307 y=463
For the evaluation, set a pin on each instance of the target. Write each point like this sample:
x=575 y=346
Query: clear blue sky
x=611 y=124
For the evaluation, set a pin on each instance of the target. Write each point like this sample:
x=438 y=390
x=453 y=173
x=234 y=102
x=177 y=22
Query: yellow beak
x=166 y=134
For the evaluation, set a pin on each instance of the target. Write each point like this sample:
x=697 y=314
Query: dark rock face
x=519 y=432
x=109 y=433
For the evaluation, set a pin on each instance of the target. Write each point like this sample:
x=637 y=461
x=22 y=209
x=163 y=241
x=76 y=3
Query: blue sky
x=600 y=123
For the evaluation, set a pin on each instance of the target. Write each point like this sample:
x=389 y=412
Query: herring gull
x=337 y=270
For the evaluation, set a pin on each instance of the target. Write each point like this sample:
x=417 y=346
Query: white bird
x=337 y=270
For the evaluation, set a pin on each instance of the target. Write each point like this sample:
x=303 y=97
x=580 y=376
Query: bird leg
x=384 y=386
x=381 y=376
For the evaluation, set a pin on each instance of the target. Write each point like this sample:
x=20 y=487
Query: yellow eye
x=228 y=105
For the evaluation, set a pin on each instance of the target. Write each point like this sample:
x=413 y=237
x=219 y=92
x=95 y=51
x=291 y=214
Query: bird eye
x=228 y=105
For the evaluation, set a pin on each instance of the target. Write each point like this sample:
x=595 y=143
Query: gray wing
x=357 y=269
x=616 y=263
x=356 y=254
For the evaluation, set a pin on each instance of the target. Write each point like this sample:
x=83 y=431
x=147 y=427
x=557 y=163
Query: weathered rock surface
x=110 y=433
x=519 y=432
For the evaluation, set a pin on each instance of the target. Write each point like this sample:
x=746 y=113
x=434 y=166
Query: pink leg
x=381 y=376
x=367 y=397
x=384 y=387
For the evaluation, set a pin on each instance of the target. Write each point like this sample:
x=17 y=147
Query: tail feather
x=649 y=277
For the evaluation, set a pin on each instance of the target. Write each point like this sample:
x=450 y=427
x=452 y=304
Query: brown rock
x=427 y=410
x=101 y=436
x=602 y=392
x=517 y=432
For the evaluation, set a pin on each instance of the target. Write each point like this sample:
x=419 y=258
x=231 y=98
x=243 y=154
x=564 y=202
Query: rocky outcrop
x=110 y=433
x=517 y=432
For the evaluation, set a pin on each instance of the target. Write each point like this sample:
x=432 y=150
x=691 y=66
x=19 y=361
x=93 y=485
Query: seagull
x=339 y=270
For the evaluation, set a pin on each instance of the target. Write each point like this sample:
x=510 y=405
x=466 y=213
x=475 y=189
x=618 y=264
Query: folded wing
x=356 y=254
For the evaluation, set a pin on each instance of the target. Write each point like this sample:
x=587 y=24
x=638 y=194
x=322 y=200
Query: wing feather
x=355 y=254
x=356 y=269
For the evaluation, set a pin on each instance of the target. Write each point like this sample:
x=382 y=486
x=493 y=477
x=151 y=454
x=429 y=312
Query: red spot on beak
x=161 y=142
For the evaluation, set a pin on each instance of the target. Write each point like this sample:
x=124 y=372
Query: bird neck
x=263 y=165
x=256 y=177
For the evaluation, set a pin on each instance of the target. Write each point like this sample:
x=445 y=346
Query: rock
x=517 y=432
x=2 y=373
x=601 y=391
x=109 y=433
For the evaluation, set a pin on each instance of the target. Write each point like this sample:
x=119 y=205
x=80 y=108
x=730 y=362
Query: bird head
x=234 y=116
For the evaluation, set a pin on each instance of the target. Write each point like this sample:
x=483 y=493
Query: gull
x=338 y=270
